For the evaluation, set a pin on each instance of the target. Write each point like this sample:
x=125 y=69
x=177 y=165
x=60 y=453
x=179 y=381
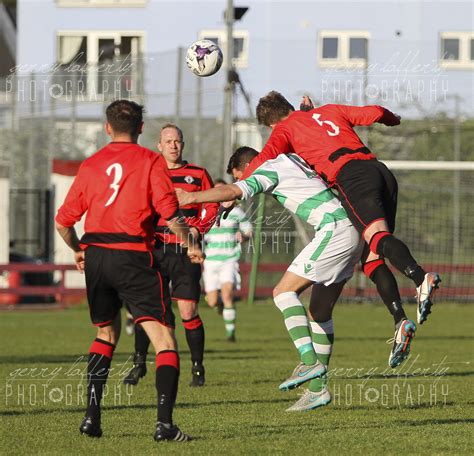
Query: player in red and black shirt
x=177 y=270
x=122 y=188
x=326 y=139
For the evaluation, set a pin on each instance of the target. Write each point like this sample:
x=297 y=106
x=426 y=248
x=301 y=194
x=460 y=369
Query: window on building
x=99 y=62
x=241 y=44
x=72 y=60
x=330 y=46
x=457 y=50
x=358 y=48
x=450 y=49
x=343 y=48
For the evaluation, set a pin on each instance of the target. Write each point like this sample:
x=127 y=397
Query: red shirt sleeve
x=277 y=144
x=389 y=118
x=361 y=115
x=205 y=223
x=163 y=195
x=75 y=204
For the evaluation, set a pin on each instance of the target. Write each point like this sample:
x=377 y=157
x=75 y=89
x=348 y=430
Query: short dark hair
x=220 y=181
x=272 y=108
x=241 y=157
x=125 y=116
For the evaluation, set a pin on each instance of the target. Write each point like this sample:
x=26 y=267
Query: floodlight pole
x=229 y=87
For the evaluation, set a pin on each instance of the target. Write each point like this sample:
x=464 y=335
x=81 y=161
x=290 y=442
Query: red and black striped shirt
x=191 y=178
x=121 y=189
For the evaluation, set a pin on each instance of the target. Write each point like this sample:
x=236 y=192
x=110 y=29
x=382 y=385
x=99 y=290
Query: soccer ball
x=204 y=58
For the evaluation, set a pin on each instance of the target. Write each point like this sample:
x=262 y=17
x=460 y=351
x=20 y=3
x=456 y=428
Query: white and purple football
x=204 y=58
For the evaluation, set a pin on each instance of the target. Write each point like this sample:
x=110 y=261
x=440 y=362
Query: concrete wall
x=4 y=220
x=62 y=253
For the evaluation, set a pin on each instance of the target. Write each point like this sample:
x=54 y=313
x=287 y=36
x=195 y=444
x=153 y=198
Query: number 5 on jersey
x=116 y=168
x=334 y=128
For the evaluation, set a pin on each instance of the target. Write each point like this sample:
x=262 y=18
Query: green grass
x=424 y=407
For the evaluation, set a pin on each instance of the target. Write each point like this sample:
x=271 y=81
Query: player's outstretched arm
x=389 y=118
x=367 y=115
x=179 y=227
x=219 y=194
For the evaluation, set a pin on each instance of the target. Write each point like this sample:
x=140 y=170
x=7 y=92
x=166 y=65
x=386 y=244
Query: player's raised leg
x=98 y=367
x=382 y=242
x=166 y=382
x=285 y=295
x=323 y=299
x=376 y=270
x=369 y=193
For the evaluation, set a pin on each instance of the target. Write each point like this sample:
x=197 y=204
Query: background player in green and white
x=327 y=262
x=222 y=246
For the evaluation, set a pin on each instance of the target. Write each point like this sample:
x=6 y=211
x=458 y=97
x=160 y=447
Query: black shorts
x=368 y=191
x=114 y=277
x=177 y=269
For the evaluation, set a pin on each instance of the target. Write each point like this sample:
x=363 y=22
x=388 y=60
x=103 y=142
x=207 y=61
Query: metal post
x=179 y=78
x=13 y=149
x=49 y=237
x=30 y=174
x=197 y=122
x=72 y=152
x=365 y=100
x=229 y=87
x=257 y=247
x=456 y=181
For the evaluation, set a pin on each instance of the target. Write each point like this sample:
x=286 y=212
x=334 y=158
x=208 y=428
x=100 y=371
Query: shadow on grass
x=424 y=405
x=42 y=359
x=120 y=356
x=436 y=422
x=106 y=409
x=422 y=337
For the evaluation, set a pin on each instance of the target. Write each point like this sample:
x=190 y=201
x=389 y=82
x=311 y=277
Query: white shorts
x=330 y=257
x=216 y=273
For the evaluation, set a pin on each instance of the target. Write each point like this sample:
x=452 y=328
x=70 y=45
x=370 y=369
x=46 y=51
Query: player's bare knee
x=166 y=342
x=188 y=312
x=227 y=298
x=212 y=300
x=373 y=228
x=108 y=334
x=278 y=290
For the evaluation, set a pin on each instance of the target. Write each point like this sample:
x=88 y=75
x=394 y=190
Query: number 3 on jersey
x=334 y=128
x=118 y=172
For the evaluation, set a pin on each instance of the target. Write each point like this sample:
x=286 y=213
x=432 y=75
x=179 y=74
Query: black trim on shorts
x=345 y=151
x=110 y=238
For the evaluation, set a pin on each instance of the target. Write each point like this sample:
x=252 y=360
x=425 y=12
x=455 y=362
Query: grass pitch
x=423 y=407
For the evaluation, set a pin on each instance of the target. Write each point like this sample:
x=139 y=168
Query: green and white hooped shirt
x=299 y=189
x=220 y=243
